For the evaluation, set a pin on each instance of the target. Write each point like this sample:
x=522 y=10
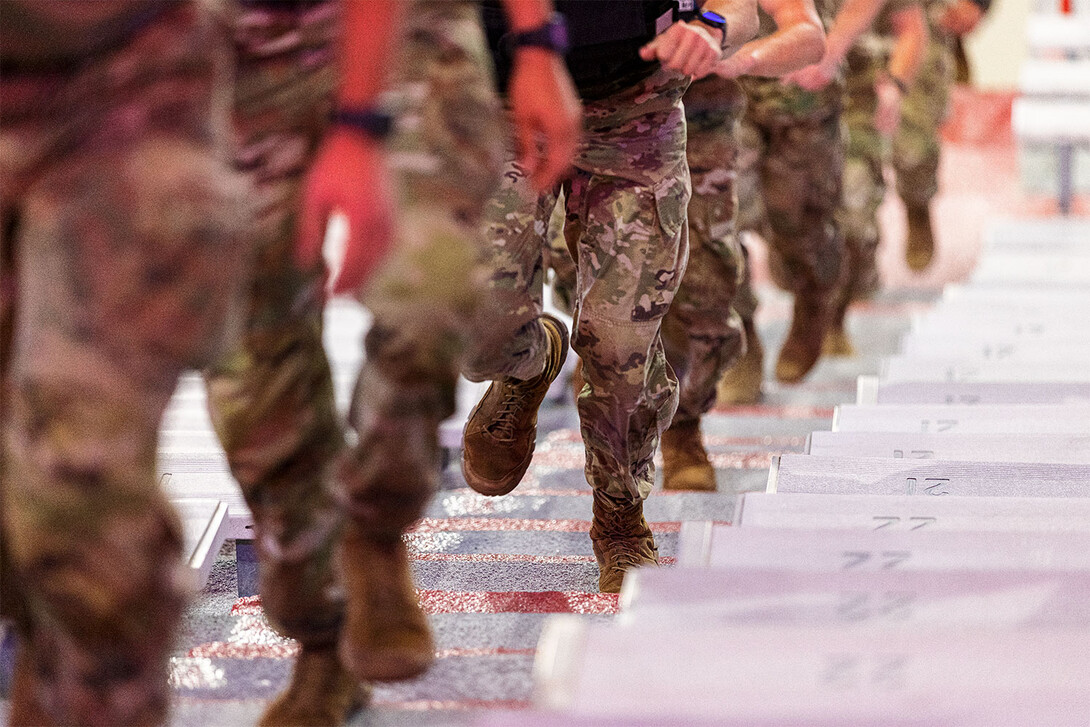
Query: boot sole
x=495 y=488
x=372 y=667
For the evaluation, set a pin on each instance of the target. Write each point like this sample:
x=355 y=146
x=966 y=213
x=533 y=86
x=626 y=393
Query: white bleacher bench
x=1053 y=34
x=1055 y=78
x=963 y=418
x=746 y=594
x=816 y=474
x=696 y=674
x=920 y=368
x=912 y=512
x=876 y=390
x=717 y=545
x=1045 y=235
x=1067 y=448
x=1061 y=124
x=204 y=528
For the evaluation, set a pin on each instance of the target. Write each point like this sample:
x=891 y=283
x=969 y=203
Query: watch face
x=713 y=17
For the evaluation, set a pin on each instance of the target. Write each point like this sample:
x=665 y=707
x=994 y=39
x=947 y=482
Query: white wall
x=997 y=48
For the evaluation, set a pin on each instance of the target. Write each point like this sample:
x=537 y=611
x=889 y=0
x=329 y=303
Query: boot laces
x=504 y=424
x=624 y=553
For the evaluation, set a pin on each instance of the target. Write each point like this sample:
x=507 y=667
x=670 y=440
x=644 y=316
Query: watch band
x=714 y=20
x=376 y=123
x=552 y=35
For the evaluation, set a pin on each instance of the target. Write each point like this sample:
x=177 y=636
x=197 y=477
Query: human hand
x=887 y=116
x=546 y=113
x=961 y=17
x=348 y=174
x=814 y=77
x=690 y=48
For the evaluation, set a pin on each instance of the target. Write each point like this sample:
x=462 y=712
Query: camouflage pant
x=271 y=399
x=626 y=201
x=121 y=210
x=864 y=185
x=702 y=333
x=448 y=154
x=790 y=167
x=916 y=146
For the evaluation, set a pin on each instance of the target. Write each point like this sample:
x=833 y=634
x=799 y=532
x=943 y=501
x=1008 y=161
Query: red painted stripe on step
x=517 y=602
x=513 y=558
x=495 y=524
x=435 y=601
x=290 y=649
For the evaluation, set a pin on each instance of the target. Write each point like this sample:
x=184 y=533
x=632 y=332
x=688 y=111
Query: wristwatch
x=553 y=35
x=714 y=20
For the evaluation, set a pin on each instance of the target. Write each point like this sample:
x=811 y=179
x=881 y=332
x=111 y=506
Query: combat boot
x=685 y=463
x=741 y=383
x=498 y=440
x=386 y=636
x=837 y=341
x=25 y=706
x=920 y=246
x=621 y=540
x=321 y=692
x=802 y=348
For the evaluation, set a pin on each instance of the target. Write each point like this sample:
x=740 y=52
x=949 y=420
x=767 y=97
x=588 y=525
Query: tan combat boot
x=741 y=384
x=386 y=636
x=26 y=708
x=498 y=440
x=621 y=540
x=321 y=692
x=837 y=342
x=685 y=463
x=920 y=246
x=802 y=348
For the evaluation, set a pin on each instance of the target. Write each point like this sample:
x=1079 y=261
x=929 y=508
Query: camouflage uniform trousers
x=790 y=164
x=917 y=145
x=864 y=185
x=271 y=398
x=447 y=153
x=121 y=213
x=626 y=201
x=702 y=332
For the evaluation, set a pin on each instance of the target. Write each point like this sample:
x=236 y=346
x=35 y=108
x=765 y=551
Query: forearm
x=910 y=46
x=527 y=14
x=741 y=17
x=788 y=49
x=367 y=44
x=854 y=18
